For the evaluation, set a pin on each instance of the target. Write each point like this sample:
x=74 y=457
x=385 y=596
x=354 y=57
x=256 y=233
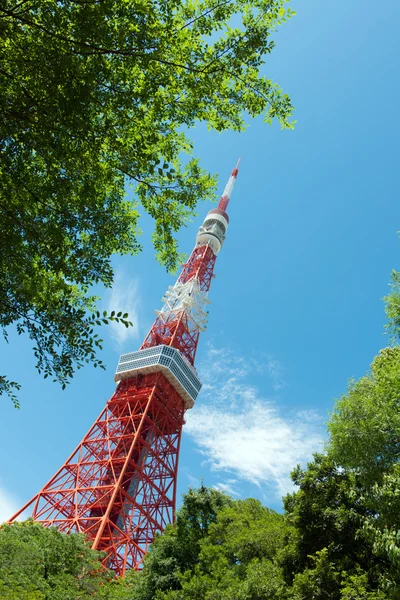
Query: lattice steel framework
x=176 y=326
x=119 y=485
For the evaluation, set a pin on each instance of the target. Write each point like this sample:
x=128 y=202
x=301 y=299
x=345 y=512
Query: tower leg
x=119 y=485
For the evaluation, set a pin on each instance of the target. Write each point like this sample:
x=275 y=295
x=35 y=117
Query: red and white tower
x=119 y=485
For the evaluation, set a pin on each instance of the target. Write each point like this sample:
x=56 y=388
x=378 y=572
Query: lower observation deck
x=166 y=360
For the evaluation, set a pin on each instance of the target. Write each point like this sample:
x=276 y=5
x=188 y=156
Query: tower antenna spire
x=226 y=196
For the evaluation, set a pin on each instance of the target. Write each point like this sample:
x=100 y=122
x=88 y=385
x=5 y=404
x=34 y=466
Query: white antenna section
x=189 y=298
x=229 y=187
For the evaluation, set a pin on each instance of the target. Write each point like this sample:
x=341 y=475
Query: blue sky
x=296 y=305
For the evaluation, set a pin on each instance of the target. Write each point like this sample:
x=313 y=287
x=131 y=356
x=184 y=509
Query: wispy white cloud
x=276 y=371
x=124 y=296
x=228 y=487
x=8 y=505
x=194 y=482
x=244 y=434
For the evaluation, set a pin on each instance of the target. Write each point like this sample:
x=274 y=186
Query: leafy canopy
x=365 y=424
x=177 y=550
x=365 y=440
x=95 y=95
x=238 y=557
x=40 y=564
x=329 y=553
x=218 y=548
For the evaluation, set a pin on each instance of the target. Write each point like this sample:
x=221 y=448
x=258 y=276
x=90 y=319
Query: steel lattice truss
x=119 y=485
x=177 y=328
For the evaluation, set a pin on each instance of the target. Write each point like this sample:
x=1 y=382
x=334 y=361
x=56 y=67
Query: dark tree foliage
x=177 y=550
x=219 y=548
x=329 y=547
x=95 y=95
x=365 y=440
x=326 y=512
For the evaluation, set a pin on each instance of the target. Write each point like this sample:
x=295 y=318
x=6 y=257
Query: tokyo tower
x=119 y=485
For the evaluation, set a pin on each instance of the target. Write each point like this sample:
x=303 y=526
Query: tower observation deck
x=119 y=485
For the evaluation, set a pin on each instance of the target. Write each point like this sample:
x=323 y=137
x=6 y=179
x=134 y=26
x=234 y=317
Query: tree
x=365 y=424
x=177 y=550
x=382 y=527
x=219 y=548
x=39 y=564
x=96 y=95
x=330 y=554
x=238 y=558
x=327 y=581
x=365 y=439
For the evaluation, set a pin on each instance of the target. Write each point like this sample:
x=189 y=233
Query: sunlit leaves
x=38 y=563
x=95 y=95
x=365 y=424
x=365 y=440
x=392 y=301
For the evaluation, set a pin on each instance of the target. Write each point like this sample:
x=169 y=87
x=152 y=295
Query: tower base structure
x=119 y=485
